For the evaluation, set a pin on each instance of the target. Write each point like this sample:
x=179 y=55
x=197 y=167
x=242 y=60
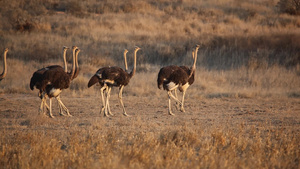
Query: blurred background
x=248 y=48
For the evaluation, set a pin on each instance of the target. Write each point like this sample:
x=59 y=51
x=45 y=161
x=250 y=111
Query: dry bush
x=76 y=8
x=22 y=15
x=289 y=6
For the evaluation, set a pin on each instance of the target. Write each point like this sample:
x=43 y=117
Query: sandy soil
x=149 y=114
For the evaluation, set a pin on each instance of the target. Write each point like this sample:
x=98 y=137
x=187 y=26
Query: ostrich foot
x=68 y=113
x=170 y=113
x=62 y=114
x=102 y=110
x=182 y=110
x=105 y=115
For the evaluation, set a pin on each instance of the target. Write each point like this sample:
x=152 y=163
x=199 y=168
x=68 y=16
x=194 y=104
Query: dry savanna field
x=243 y=110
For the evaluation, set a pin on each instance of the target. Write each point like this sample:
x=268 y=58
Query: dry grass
x=243 y=109
x=93 y=145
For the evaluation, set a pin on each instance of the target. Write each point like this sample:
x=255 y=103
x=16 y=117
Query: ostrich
x=104 y=86
x=37 y=78
x=109 y=77
x=3 y=74
x=173 y=77
x=54 y=81
x=126 y=70
x=190 y=81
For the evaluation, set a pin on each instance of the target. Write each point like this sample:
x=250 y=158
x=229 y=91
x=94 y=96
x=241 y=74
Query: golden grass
x=181 y=147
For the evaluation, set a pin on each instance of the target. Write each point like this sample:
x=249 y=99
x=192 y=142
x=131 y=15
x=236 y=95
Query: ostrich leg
x=43 y=105
x=177 y=104
x=41 y=109
x=60 y=109
x=108 y=106
x=182 y=102
x=170 y=105
x=121 y=101
x=107 y=101
x=63 y=106
x=103 y=101
x=50 y=111
x=175 y=98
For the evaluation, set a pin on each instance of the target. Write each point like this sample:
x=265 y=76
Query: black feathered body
x=54 y=81
x=165 y=73
x=177 y=78
x=37 y=76
x=112 y=76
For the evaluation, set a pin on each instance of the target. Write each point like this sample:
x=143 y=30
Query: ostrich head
x=74 y=48
x=65 y=48
x=137 y=48
x=77 y=50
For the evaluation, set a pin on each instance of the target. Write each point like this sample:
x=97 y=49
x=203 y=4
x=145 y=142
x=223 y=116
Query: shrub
x=289 y=6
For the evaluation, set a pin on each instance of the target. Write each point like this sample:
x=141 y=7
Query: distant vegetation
x=232 y=32
x=248 y=36
x=289 y=6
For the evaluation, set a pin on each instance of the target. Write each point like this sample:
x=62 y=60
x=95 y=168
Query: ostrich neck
x=65 y=61
x=73 y=65
x=194 y=64
x=76 y=64
x=76 y=58
x=4 y=66
x=125 y=61
x=134 y=64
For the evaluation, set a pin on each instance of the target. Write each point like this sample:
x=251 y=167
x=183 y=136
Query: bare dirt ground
x=150 y=114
